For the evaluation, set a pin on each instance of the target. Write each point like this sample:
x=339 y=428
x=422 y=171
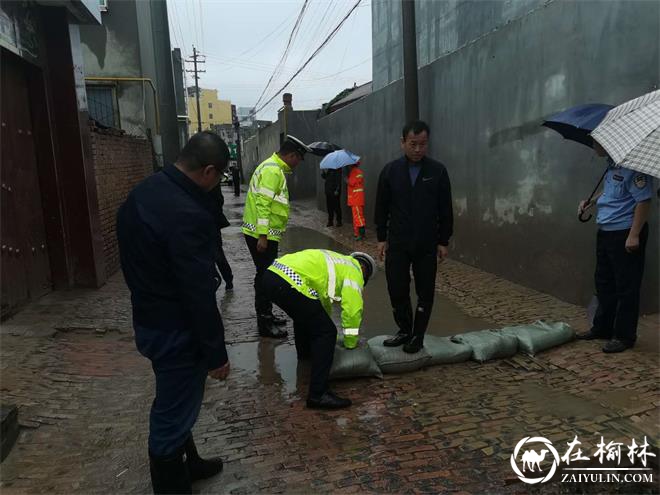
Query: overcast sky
x=243 y=40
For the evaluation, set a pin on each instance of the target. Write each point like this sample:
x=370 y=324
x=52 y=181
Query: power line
x=292 y=35
x=316 y=52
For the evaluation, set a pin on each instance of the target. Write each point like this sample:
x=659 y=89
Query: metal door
x=24 y=256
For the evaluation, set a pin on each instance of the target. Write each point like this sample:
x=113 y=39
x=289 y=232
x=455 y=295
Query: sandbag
x=393 y=359
x=488 y=344
x=443 y=351
x=351 y=363
x=540 y=335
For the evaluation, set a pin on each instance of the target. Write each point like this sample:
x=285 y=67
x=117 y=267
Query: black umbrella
x=576 y=124
x=322 y=148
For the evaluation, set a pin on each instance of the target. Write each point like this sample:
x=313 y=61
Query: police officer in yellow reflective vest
x=264 y=222
x=304 y=285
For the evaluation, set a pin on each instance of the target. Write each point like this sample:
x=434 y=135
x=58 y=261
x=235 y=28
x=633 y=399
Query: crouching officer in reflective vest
x=304 y=285
x=264 y=221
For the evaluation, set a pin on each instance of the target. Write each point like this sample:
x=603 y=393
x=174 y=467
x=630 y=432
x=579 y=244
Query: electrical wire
x=294 y=31
x=316 y=52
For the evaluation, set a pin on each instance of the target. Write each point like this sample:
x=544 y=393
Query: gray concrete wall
x=516 y=185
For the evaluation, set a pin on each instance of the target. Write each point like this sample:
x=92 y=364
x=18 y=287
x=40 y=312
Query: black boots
x=328 y=401
x=169 y=474
x=422 y=317
x=174 y=473
x=199 y=468
x=267 y=329
x=403 y=319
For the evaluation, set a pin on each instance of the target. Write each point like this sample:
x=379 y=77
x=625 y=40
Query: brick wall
x=120 y=162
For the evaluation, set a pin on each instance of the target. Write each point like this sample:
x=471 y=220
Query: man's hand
x=632 y=243
x=443 y=252
x=584 y=206
x=262 y=244
x=221 y=372
x=382 y=247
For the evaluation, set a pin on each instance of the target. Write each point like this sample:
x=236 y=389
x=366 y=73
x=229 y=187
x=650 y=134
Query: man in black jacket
x=414 y=221
x=332 y=195
x=168 y=240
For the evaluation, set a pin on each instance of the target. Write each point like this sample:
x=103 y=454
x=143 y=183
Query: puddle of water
x=561 y=404
x=271 y=362
x=446 y=318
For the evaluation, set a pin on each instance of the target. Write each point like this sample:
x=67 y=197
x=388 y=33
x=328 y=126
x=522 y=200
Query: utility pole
x=195 y=61
x=410 y=60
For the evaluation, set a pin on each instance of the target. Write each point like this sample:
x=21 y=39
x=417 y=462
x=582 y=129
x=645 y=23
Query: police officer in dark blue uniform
x=623 y=208
x=168 y=240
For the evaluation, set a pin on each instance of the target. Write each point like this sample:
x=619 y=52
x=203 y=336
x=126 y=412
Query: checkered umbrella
x=630 y=133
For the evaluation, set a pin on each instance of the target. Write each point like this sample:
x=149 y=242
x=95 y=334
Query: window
x=210 y=116
x=102 y=105
x=210 y=105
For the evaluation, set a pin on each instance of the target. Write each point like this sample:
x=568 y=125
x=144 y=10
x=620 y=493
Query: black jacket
x=416 y=217
x=332 y=182
x=168 y=238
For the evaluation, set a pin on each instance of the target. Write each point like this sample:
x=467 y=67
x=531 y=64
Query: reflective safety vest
x=329 y=277
x=355 y=187
x=267 y=202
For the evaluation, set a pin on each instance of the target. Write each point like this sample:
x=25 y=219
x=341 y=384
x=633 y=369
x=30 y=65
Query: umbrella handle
x=582 y=219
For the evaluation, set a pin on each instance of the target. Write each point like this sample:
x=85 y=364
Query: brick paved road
x=70 y=364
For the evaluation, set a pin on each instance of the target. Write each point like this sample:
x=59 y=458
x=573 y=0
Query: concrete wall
x=302 y=124
x=516 y=185
x=133 y=41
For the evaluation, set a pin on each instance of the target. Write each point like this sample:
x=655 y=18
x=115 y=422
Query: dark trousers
x=223 y=266
x=314 y=331
x=179 y=393
x=397 y=271
x=618 y=280
x=236 y=181
x=334 y=207
x=262 y=261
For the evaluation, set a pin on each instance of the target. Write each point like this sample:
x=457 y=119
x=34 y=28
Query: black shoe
x=276 y=320
x=415 y=345
x=591 y=335
x=229 y=285
x=329 y=224
x=399 y=339
x=616 y=345
x=199 y=468
x=339 y=224
x=169 y=474
x=328 y=401
x=266 y=330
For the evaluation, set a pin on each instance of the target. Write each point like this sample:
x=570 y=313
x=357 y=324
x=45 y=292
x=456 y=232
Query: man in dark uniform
x=168 y=240
x=332 y=189
x=236 y=179
x=414 y=222
x=623 y=208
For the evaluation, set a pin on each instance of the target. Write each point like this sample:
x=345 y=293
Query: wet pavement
x=68 y=361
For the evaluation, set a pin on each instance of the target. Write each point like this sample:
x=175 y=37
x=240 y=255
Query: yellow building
x=213 y=110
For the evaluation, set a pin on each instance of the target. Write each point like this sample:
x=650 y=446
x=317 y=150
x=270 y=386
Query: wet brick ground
x=69 y=363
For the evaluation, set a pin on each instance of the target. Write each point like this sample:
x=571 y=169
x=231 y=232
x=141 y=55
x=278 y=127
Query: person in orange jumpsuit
x=355 y=183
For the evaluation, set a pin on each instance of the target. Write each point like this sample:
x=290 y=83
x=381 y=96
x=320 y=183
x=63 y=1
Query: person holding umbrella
x=628 y=135
x=332 y=195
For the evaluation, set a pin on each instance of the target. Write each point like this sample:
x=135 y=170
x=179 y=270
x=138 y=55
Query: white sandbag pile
x=540 y=336
x=372 y=358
